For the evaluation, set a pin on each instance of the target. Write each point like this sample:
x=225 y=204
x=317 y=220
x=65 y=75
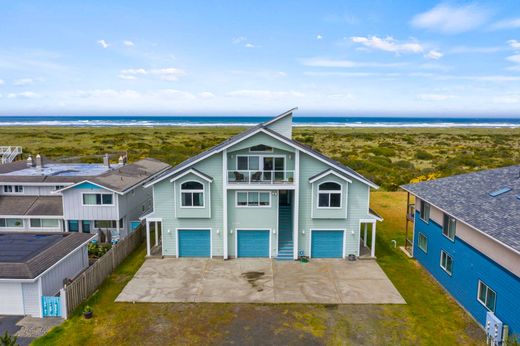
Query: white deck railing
x=9 y=153
x=260 y=177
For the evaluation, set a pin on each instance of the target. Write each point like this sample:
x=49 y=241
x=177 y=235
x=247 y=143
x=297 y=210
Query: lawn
x=431 y=317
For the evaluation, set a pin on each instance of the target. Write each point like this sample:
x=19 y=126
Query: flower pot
x=87 y=315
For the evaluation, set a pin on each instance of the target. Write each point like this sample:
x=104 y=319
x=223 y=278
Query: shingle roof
x=245 y=133
x=27 y=255
x=466 y=198
x=31 y=205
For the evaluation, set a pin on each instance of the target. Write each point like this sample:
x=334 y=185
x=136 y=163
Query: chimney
x=106 y=161
x=39 y=161
x=29 y=161
x=121 y=160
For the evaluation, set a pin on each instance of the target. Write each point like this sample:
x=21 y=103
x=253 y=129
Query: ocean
x=312 y=121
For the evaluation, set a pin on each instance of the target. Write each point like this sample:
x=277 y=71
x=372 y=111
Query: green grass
x=389 y=157
x=430 y=317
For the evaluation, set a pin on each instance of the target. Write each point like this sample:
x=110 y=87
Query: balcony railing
x=410 y=212
x=260 y=177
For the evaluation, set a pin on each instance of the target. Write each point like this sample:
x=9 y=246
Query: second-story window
x=13 y=188
x=425 y=211
x=449 y=226
x=98 y=199
x=192 y=194
x=329 y=195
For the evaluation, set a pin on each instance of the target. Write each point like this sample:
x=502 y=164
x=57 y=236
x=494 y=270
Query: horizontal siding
x=469 y=266
x=73 y=208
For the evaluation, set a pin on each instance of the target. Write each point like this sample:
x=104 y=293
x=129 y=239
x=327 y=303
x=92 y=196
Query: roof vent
x=39 y=161
x=499 y=191
x=106 y=161
x=29 y=161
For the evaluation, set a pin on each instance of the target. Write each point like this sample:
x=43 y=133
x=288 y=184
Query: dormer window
x=329 y=195
x=261 y=148
x=192 y=194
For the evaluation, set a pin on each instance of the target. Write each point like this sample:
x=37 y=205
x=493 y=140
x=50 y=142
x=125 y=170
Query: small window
x=13 y=188
x=425 y=211
x=248 y=163
x=329 y=195
x=36 y=223
x=253 y=199
x=423 y=242
x=97 y=199
x=8 y=189
x=73 y=225
x=486 y=296
x=58 y=187
x=446 y=262
x=449 y=226
x=18 y=189
x=261 y=148
x=105 y=224
x=192 y=194
x=45 y=223
x=11 y=223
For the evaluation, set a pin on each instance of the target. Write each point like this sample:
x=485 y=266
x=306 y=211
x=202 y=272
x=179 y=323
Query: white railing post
x=63 y=302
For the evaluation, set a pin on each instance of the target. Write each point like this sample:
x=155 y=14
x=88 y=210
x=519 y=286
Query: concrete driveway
x=260 y=281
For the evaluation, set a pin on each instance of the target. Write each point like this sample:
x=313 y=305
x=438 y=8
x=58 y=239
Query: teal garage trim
x=253 y=243
x=327 y=243
x=194 y=243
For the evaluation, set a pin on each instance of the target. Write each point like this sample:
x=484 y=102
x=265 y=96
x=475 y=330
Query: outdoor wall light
x=169 y=231
x=274 y=231
x=353 y=232
x=303 y=231
x=230 y=231
x=218 y=231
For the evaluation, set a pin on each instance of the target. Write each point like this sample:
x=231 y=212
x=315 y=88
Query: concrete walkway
x=260 y=281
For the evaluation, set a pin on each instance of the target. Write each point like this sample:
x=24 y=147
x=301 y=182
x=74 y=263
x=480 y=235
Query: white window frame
x=261 y=162
x=329 y=192
x=192 y=191
x=419 y=243
x=445 y=228
x=41 y=224
x=12 y=218
x=480 y=282
x=422 y=204
x=247 y=200
x=11 y=189
x=97 y=205
x=445 y=268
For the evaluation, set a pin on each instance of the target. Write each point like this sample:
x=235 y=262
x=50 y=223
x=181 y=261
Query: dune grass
x=430 y=316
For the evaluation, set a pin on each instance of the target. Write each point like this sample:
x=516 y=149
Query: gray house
x=34 y=267
x=41 y=196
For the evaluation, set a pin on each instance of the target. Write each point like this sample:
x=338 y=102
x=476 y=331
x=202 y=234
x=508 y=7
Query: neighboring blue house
x=467 y=235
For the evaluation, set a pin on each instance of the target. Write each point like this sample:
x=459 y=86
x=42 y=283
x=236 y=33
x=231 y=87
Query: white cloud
x=168 y=74
x=319 y=37
x=514 y=44
x=23 y=81
x=103 y=43
x=264 y=94
x=434 y=54
x=511 y=23
x=451 y=19
x=24 y=95
x=243 y=41
x=388 y=44
x=466 y=49
x=206 y=95
x=514 y=58
x=507 y=99
x=2 y=82
x=173 y=93
x=249 y=45
x=128 y=43
x=434 y=97
x=325 y=62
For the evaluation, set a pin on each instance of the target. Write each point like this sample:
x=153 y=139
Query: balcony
x=260 y=177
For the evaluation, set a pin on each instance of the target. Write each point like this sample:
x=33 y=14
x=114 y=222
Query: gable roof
x=248 y=133
x=326 y=173
x=125 y=178
x=28 y=255
x=193 y=171
x=466 y=197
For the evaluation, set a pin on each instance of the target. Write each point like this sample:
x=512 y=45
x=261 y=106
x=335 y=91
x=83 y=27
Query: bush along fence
x=76 y=292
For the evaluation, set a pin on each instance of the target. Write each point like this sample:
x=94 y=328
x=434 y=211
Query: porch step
x=285 y=250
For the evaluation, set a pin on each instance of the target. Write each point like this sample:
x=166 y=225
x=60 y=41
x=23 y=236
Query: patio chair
x=238 y=176
x=257 y=176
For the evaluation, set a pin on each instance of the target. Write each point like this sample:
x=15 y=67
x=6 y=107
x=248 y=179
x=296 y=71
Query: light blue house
x=261 y=194
x=467 y=235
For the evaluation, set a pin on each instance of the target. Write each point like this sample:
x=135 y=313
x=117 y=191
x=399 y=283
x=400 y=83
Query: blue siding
x=87 y=185
x=253 y=243
x=194 y=243
x=469 y=266
x=327 y=244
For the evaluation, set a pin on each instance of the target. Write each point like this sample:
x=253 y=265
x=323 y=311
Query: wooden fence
x=87 y=282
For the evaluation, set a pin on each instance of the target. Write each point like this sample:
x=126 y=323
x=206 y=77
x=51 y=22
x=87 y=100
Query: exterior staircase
x=285 y=233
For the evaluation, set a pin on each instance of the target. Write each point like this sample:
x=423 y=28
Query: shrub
x=423 y=155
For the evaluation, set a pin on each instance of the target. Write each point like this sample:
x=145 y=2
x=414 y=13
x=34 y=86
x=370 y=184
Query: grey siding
x=31 y=190
x=73 y=208
x=31 y=299
x=132 y=205
x=69 y=268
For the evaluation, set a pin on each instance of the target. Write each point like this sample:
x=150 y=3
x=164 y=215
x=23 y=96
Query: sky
x=351 y=58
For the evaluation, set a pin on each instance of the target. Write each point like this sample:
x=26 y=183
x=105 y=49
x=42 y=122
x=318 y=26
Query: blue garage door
x=253 y=243
x=327 y=244
x=194 y=243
